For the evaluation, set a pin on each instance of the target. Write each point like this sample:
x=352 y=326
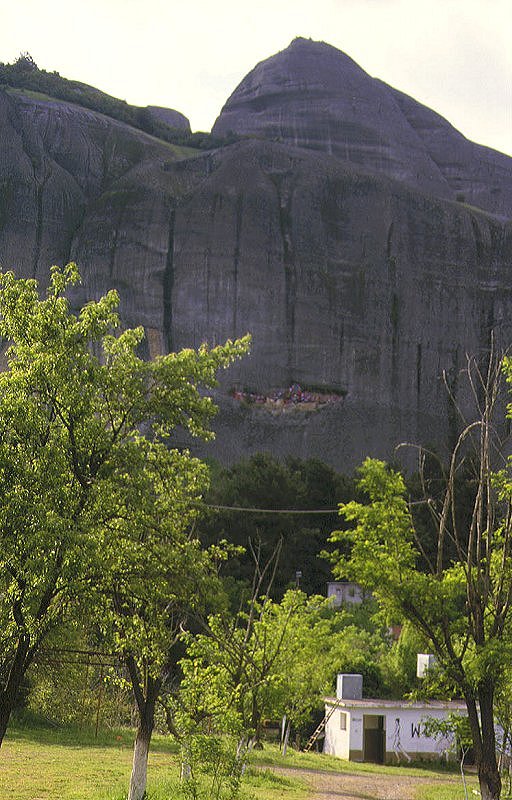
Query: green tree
x=80 y=413
x=265 y=662
x=398 y=665
x=155 y=578
x=460 y=607
x=355 y=650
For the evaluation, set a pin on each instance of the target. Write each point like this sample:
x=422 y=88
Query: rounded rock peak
x=169 y=116
x=314 y=96
x=308 y=63
x=317 y=47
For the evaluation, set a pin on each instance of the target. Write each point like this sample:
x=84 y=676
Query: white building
x=345 y=592
x=382 y=730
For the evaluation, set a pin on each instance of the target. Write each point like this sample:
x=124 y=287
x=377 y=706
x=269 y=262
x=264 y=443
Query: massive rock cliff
x=363 y=242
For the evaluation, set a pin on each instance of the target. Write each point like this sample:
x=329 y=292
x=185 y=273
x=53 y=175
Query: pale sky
x=455 y=56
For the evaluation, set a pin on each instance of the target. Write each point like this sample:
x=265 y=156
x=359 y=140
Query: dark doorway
x=374 y=738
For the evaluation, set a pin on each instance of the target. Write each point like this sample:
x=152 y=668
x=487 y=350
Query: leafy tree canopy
x=83 y=423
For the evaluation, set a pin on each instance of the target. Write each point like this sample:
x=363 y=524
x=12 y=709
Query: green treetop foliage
x=83 y=420
x=269 y=660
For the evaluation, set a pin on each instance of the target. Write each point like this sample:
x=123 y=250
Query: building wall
x=345 y=592
x=337 y=740
x=404 y=731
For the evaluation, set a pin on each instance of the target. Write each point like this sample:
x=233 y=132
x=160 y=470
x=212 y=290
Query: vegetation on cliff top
x=25 y=74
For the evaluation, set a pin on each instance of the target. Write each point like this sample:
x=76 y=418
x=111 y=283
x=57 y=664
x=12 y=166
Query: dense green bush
x=265 y=482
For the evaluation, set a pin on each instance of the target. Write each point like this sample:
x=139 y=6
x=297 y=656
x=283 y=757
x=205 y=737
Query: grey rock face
x=170 y=117
x=477 y=175
x=78 y=185
x=346 y=281
x=313 y=95
x=350 y=277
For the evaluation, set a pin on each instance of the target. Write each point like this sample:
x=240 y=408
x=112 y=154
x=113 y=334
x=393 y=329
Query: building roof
x=441 y=705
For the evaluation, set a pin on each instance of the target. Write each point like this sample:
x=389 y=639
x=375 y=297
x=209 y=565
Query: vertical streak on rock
x=499 y=334
x=394 y=312
x=40 y=182
x=418 y=373
x=112 y=254
x=479 y=244
x=169 y=283
x=451 y=378
x=39 y=224
x=289 y=277
x=389 y=241
x=341 y=341
x=209 y=327
x=236 y=261
x=74 y=232
x=395 y=319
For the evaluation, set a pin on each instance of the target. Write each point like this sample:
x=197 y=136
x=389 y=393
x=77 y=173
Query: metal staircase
x=321 y=727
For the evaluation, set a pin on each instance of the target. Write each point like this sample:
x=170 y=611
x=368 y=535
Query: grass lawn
x=37 y=764
x=61 y=764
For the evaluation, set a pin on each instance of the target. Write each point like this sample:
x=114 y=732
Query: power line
x=292 y=510
x=274 y=510
x=60 y=656
x=79 y=662
x=87 y=652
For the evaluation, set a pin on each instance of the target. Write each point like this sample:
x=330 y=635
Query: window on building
x=343 y=721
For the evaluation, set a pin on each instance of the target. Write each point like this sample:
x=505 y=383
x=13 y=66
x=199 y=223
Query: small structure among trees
x=341 y=592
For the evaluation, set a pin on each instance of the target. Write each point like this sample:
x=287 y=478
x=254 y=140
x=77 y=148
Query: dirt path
x=361 y=786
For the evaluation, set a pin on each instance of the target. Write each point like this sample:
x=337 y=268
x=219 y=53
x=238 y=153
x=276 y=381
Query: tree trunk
x=9 y=693
x=488 y=773
x=146 y=708
x=139 y=774
x=483 y=738
x=256 y=724
x=490 y=783
x=5 y=713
